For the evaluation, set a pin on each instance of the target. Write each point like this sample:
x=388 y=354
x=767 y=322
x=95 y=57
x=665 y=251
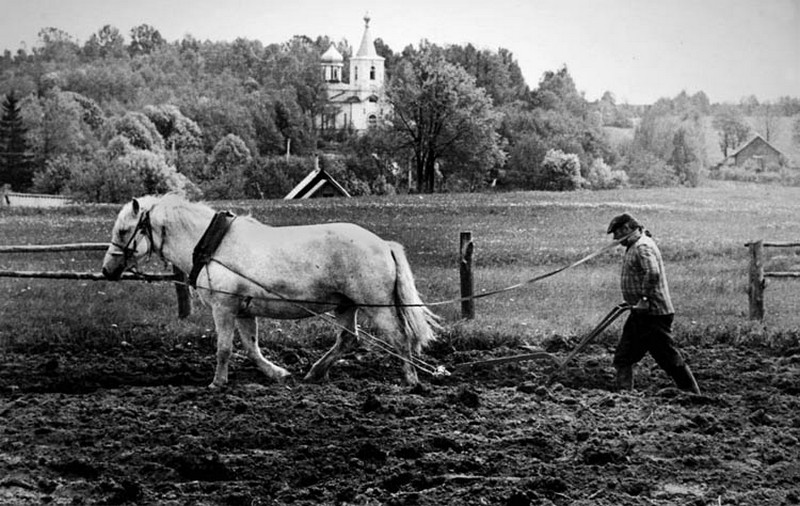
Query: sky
x=639 y=50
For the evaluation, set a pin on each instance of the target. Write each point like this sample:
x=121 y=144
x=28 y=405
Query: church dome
x=332 y=55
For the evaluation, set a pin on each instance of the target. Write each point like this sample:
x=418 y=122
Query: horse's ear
x=135 y=205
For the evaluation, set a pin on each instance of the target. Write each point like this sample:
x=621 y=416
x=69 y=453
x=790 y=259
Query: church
x=360 y=103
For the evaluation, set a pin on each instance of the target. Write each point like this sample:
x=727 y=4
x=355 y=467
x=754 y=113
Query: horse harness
x=203 y=251
x=209 y=242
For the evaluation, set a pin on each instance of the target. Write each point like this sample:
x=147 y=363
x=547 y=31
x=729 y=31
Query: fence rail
x=14 y=199
x=758 y=275
x=181 y=289
x=54 y=248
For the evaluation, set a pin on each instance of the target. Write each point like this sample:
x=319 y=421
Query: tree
x=145 y=40
x=57 y=46
x=106 y=43
x=557 y=91
x=768 y=121
x=796 y=131
x=686 y=159
x=15 y=159
x=497 y=73
x=731 y=127
x=438 y=110
x=225 y=173
x=672 y=137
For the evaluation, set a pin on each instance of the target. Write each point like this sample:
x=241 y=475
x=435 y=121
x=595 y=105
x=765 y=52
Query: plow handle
x=588 y=338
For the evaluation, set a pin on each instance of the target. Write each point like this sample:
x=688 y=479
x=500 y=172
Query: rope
x=279 y=297
x=377 y=342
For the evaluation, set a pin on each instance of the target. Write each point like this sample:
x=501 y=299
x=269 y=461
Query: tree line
x=115 y=117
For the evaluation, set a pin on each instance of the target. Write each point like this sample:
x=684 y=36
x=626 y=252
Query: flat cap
x=622 y=219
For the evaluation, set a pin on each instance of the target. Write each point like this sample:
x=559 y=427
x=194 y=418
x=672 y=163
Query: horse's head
x=131 y=238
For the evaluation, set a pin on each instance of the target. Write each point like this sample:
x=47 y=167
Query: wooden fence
x=14 y=199
x=181 y=289
x=758 y=275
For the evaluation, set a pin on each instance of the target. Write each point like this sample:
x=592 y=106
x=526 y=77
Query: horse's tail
x=419 y=322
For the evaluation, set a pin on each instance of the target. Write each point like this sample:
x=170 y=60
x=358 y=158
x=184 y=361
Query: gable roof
x=312 y=183
x=756 y=138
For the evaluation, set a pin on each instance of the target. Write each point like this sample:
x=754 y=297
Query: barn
x=757 y=151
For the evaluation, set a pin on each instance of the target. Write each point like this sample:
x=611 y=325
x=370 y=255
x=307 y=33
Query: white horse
x=280 y=272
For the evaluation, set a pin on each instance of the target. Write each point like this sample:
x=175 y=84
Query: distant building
x=757 y=150
x=317 y=183
x=360 y=103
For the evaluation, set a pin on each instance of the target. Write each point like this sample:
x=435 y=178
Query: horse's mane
x=176 y=209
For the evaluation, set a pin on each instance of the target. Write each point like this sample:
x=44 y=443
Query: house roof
x=312 y=183
x=751 y=141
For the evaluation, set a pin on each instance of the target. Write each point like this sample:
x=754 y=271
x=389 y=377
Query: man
x=649 y=325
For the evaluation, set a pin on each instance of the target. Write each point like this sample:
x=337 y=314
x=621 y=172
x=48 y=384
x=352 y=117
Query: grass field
x=701 y=231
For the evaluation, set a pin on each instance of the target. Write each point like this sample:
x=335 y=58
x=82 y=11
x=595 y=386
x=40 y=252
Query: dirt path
x=139 y=426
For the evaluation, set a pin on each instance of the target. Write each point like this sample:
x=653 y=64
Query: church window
x=355 y=74
x=372 y=73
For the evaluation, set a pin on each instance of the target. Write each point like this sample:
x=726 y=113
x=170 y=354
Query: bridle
x=143 y=227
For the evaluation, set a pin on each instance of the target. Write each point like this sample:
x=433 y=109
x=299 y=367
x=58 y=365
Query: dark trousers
x=645 y=333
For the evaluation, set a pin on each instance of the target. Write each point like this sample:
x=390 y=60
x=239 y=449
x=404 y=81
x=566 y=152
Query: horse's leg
x=345 y=341
x=386 y=321
x=248 y=334
x=224 y=323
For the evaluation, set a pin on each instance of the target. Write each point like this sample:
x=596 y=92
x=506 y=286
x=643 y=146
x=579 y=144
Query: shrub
x=138 y=130
x=134 y=173
x=562 y=171
x=645 y=169
x=602 y=177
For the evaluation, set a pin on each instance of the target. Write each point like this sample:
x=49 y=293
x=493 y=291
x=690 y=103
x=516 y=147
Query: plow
x=560 y=365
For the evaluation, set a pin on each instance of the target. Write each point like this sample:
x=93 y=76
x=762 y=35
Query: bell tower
x=366 y=67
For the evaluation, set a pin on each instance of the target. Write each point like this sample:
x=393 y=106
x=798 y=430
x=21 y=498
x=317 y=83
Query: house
x=361 y=102
x=317 y=183
x=756 y=151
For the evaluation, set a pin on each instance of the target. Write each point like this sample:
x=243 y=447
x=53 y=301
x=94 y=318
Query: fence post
x=756 y=288
x=465 y=266
x=182 y=290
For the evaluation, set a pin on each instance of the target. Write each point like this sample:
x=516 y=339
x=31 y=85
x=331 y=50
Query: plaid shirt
x=643 y=276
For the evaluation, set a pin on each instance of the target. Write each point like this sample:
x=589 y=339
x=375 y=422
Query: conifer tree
x=15 y=160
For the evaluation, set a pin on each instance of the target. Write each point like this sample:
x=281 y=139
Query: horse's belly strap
x=209 y=242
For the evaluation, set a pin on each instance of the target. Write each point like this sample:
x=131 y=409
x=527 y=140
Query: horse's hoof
x=282 y=377
x=215 y=386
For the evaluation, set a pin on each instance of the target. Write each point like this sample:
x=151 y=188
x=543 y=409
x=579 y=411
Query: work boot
x=684 y=379
x=625 y=377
